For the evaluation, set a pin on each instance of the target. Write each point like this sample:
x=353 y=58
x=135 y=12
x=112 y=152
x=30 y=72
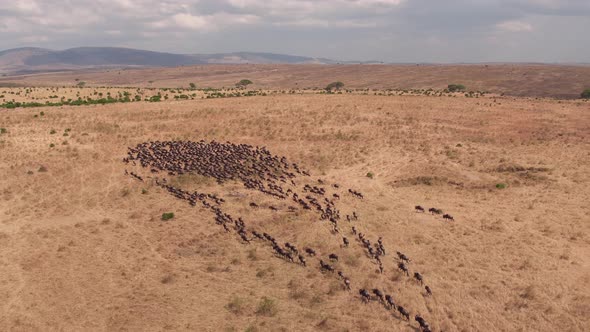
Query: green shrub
x=501 y=186
x=455 y=87
x=51 y=145
x=167 y=216
x=586 y=94
x=334 y=86
x=192 y=85
x=235 y=305
x=243 y=83
x=266 y=307
x=3 y=131
x=370 y=175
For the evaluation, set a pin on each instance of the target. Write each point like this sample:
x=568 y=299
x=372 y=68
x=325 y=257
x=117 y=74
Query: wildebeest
x=403 y=257
x=333 y=257
x=379 y=295
x=366 y=297
x=310 y=251
x=428 y=290
x=254 y=205
x=326 y=267
x=418 y=277
x=403 y=312
x=302 y=260
x=390 y=301
x=448 y=217
x=418 y=208
x=423 y=324
x=403 y=267
x=435 y=211
x=345 y=241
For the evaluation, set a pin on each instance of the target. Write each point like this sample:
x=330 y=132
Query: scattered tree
x=243 y=83
x=456 y=87
x=334 y=86
x=586 y=94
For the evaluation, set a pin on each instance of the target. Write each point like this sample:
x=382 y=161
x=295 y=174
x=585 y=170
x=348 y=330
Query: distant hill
x=32 y=60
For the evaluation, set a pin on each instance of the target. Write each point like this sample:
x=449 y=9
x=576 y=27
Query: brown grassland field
x=83 y=246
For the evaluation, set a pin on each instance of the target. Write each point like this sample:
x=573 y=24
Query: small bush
x=235 y=305
x=144 y=191
x=586 y=94
x=42 y=169
x=3 y=131
x=334 y=86
x=243 y=83
x=501 y=186
x=456 y=87
x=370 y=175
x=51 y=145
x=125 y=192
x=266 y=307
x=167 y=216
x=52 y=131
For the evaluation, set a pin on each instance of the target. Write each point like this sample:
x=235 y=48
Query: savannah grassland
x=83 y=247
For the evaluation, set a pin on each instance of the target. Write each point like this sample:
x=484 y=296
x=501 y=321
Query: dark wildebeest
x=418 y=277
x=403 y=257
x=403 y=312
x=423 y=324
x=419 y=208
x=379 y=294
x=310 y=251
x=428 y=290
x=302 y=260
x=366 y=297
x=448 y=217
x=435 y=211
x=403 y=267
x=390 y=301
x=333 y=257
x=325 y=266
x=345 y=241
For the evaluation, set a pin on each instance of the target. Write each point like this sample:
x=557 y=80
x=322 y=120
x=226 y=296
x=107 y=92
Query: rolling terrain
x=556 y=81
x=84 y=247
x=39 y=60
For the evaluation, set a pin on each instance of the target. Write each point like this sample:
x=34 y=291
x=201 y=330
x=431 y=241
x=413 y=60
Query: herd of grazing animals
x=257 y=169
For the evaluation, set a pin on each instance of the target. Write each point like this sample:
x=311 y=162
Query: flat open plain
x=83 y=247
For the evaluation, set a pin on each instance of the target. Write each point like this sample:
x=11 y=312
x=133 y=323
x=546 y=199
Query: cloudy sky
x=385 y=30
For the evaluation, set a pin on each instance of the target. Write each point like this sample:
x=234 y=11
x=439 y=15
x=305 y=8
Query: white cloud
x=396 y=30
x=514 y=26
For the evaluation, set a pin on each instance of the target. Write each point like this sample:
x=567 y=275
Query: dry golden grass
x=83 y=247
x=513 y=79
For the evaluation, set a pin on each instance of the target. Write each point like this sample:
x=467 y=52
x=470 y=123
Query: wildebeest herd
x=257 y=169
